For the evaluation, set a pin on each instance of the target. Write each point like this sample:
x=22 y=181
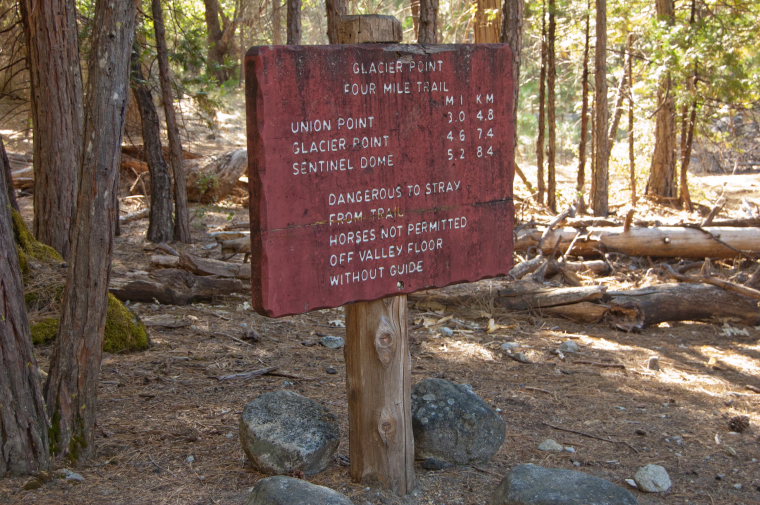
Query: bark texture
x=161 y=225
x=662 y=174
x=600 y=196
x=57 y=114
x=5 y=168
x=23 y=422
x=581 y=179
x=219 y=40
x=334 y=10
x=75 y=364
x=541 y=139
x=428 y=23
x=551 y=87
x=181 y=214
x=294 y=22
x=487 y=22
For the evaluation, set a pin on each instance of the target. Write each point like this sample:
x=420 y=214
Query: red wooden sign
x=377 y=170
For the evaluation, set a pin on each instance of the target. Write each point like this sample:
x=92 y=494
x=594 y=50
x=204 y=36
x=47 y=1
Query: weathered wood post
x=378 y=365
x=377 y=170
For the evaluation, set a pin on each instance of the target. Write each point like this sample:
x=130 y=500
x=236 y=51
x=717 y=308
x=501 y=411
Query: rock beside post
x=280 y=490
x=535 y=485
x=452 y=423
x=283 y=432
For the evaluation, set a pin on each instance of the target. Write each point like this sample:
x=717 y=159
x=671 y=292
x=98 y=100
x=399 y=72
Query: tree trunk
x=631 y=151
x=551 y=85
x=428 y=23
x=620 y=98
x=541 y=110
x=689 y=124
x=581 y=181
x=217 y=51
x=294 y=22
x=181 y=215
x=487 y=22
x=7 y=177
x=512 y=34
x=277 y=22
x=662 y=174
x=415 y=8
x=602 y=156
x=57 y=115
x=334 y=9
x=71 y=390
x=160 y=227
x=23 y=422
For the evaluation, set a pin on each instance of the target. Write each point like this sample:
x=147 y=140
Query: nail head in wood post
x=378 y=365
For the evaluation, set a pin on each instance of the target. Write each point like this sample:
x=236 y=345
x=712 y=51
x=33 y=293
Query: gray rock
x=652 y=479
x=332 y=342
x=535 y=485
x=550 y=445
x=67 y=474
x=284 y=432
x=452 y=423
x=509 y=346
x=569 y=346
x=435 y=464
x=281 y=490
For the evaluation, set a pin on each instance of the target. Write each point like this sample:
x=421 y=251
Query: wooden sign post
x=377 y=170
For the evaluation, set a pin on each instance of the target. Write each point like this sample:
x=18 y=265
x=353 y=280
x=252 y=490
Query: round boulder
x=283 y=432
x=452 y=423
x=281 y=490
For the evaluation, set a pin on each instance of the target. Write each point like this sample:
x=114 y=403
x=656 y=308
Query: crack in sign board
x=377 y=170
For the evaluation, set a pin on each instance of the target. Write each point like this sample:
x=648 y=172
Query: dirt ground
x=167 y=428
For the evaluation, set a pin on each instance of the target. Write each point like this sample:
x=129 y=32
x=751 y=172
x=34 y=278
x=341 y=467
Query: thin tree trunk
x=513 y=13
x=215 y=36
x=277 y=22
x=487 y=22
x=6 y=174
x=428 y=24
x=181 y=214
x=334 y=9
x=689 y=123
x=551 y=84
x=23 y=422
x=540 y=141
x=631 y=151
x=161 y=225
x=619 y=99
x=415 y=7
x=662 y=178
x=581 y=182
x=57 y=114
x=71 y=390
x=294 y=22
x=601 y=178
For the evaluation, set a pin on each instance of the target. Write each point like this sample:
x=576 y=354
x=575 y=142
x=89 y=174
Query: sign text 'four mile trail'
x=377 y=170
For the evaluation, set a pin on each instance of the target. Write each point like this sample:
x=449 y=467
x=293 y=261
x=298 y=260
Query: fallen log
x=638 y=308
x=175 y=287
x=203 y=266
x=528 y=296
x=236 y=246
x=216 y=179
x=643 y=307
x=685 y=242
x=208 y=266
